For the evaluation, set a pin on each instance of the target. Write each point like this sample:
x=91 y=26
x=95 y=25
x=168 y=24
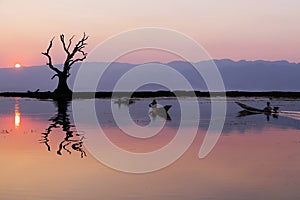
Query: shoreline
x=149 y=94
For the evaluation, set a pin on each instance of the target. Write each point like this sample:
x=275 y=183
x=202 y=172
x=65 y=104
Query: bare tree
x=73 y=56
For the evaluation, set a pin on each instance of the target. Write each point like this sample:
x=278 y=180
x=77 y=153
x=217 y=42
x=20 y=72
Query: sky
x=234 y=29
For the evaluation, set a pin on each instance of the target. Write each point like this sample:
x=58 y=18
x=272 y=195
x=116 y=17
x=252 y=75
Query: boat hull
x=254 y=110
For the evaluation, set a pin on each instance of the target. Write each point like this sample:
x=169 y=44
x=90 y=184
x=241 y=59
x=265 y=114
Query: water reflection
x=124 y=101
x=254 y=158
x=17 y=114
x=161 y=113
x=245 y=113
x=73 y=141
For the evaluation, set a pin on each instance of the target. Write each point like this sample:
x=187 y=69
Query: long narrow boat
x=256 y=110
x=249 y=108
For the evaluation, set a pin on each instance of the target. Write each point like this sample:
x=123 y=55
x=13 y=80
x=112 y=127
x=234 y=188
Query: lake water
x=43 y=155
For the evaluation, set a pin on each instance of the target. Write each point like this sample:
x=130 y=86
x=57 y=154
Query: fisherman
x=268 y=108
x=153 y=104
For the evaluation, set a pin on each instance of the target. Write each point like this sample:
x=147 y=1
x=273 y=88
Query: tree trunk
x=62 y=87
x=72 y=58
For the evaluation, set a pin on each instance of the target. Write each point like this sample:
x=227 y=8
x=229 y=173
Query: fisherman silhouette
x=268 y=108
x=153 y=104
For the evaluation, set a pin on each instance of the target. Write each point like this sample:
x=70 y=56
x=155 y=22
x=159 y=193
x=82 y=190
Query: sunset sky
x=251 y=30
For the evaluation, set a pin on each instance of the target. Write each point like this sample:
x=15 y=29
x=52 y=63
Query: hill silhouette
x=241 y=75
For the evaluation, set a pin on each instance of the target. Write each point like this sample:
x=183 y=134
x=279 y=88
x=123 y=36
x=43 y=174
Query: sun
x=18 y=65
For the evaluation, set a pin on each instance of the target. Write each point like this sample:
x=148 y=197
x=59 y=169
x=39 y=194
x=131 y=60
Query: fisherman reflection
x=268 y=111
x=73 y=142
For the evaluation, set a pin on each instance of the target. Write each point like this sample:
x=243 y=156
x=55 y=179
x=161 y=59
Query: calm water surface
x=43 y=155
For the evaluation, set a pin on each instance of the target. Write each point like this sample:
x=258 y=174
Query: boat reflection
x=124 y=101
x=160 y=113
x=245 y=113
x=73 y=141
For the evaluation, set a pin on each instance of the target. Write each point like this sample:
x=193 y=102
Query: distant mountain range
x=242 y=75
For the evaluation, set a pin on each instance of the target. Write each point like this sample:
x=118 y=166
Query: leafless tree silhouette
x=73 y=56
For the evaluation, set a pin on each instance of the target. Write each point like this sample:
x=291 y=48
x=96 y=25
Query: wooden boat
x=167 y=107
x=256 y=110
x=161 y=111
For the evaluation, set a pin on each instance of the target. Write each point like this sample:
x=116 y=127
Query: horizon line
x=131 y=63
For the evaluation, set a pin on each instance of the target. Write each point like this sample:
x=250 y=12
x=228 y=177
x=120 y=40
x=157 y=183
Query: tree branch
x=49 y=63
x=71 y=55
x=78 y=48
x=79 y=59
x=70 y=42
x=54 y=76
x=62 y=39
x=80 y=45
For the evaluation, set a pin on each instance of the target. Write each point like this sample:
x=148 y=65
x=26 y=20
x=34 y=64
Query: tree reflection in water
x=73 y=140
